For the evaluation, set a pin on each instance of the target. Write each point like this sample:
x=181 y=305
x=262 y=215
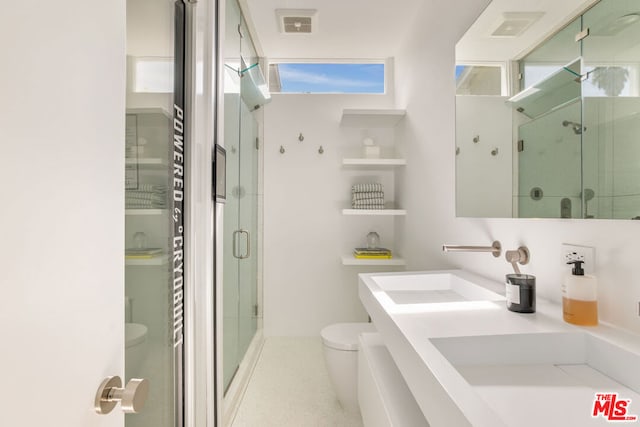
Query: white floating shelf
x=350 y=260
x=374 y=162
x=379 y=212
x=145 y=211
x=157 y=260
x=156 y=110
x=147 y=161
x=376 y=118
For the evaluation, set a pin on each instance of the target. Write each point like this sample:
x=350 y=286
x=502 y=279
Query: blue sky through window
x=332 y=78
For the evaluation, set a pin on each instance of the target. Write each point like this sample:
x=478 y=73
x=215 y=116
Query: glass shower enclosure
x=240 y=230
x=153 y=289
x=578 y=125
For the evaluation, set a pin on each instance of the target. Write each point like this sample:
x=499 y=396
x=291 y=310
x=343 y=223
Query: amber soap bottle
x=580 y=297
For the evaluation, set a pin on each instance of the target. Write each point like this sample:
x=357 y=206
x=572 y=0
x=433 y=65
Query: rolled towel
x=367 y=195
x=364 y=188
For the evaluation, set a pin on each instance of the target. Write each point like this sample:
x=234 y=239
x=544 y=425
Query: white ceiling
x=477 y=45
x=365 y=29
x=375 y=29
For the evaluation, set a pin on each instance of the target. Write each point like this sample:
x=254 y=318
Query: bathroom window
x=480 y=79
x=153 y=75
x=361 y=78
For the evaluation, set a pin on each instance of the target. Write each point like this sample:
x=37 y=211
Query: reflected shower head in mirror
x=588 y=194
x=577 y=127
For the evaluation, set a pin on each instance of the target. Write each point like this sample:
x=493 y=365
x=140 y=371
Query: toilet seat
x=134 y=333
x=344 y=336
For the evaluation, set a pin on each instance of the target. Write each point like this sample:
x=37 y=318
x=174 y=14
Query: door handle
x=235 y=244
x=132 y=397
x=248 y=253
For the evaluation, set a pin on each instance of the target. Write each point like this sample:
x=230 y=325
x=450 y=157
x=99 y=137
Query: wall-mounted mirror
x=548 y=111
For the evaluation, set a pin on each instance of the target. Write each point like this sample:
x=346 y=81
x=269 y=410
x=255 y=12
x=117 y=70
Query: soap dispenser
x=579 y=297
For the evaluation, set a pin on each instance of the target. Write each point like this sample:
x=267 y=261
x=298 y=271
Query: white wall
x=62 y=120
x=425 y=66
x=306 y=286
x=488 y=118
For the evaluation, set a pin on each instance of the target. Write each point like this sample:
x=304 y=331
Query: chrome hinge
x=520 y=145
x=257 y=143
x=255 y=309
x=519 y=76
x=240 y=31
x=582 y=35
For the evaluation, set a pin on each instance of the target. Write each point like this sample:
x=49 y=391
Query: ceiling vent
x=513 y=24
x=297 y=21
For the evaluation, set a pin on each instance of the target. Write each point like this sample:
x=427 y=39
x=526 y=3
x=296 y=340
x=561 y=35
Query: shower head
x=577 y=127
x=588 y=194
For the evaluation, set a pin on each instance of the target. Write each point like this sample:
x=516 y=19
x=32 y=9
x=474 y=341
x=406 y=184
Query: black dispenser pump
x=577 y=268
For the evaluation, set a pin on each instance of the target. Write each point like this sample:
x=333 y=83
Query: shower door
x=240 y=230
x=240 y=242
x=248 y=221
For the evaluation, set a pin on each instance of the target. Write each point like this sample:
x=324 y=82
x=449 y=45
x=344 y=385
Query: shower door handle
x=236 y=253
x=248 y=253
x=235 y=244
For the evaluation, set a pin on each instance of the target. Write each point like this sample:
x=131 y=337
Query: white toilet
x=340 y=348
x=135 y=349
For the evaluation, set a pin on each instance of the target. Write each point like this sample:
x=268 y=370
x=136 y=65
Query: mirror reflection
x=548 y=111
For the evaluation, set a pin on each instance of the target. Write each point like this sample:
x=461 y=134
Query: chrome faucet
x=495 y=248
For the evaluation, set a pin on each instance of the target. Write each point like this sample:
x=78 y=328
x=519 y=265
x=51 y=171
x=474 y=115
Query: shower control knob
x=132 y=397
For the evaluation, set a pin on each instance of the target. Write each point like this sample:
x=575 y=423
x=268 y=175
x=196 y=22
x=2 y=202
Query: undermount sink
x=469 y=361
x=432 y=288
x=544 y=378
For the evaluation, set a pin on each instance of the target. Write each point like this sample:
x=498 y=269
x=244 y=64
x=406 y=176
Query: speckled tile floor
x=290 y=387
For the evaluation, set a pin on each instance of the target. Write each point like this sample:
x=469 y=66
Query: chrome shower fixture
x=577 y=127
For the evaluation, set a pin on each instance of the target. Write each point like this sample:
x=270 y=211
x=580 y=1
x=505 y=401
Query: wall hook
x=281 y=149
x=494 y=152
x=321 y=150
x=476 y=139
x=301 y=137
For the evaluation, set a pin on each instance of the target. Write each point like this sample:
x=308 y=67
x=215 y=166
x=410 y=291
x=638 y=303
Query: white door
x=62 y=111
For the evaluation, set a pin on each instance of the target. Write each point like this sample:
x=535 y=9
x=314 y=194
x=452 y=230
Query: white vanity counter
x=470 y=361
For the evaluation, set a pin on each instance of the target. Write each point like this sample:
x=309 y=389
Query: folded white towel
x=145 y=197
x=150 y=188
x=367 y=202
x=369 y=207
x=367 y=195
x=363 y=188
